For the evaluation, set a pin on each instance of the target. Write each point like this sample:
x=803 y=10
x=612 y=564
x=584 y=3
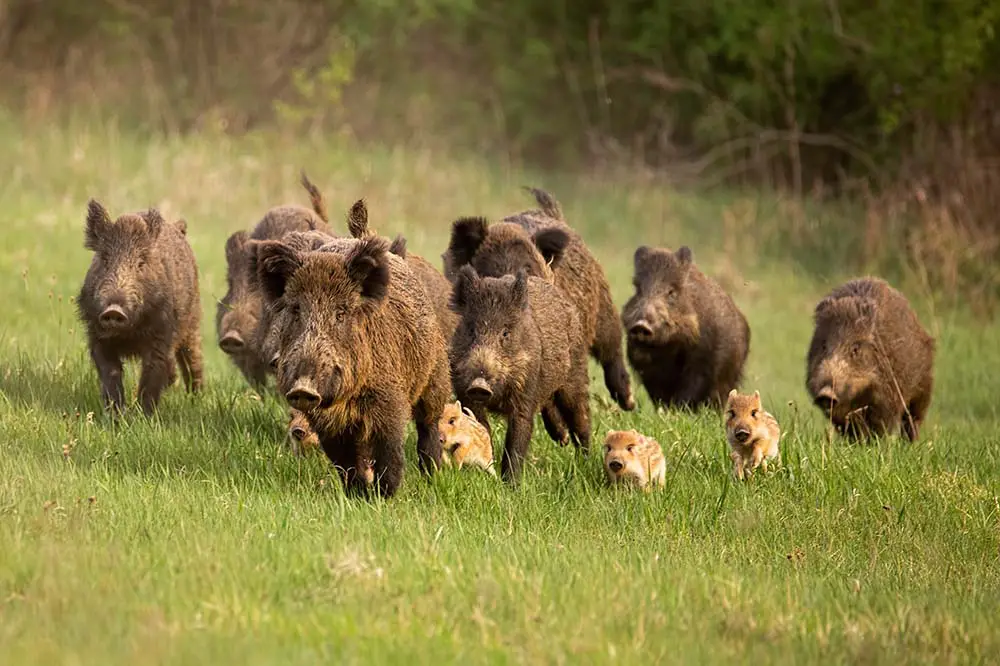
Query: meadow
x=196 y=537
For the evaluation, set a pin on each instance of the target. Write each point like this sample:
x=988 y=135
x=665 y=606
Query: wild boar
x=543 y=244
x=360 y=354
x=464 y=440
x=870 y=366
x=519 y=346
x=239 y=311
x=140 y=299
x=687 y=340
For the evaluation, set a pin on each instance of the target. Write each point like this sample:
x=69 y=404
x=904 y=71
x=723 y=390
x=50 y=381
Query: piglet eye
x=630 y=448
x=753 y=414
x=451 y=421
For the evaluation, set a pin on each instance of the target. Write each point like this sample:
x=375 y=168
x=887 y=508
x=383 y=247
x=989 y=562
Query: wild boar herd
x=363 y=336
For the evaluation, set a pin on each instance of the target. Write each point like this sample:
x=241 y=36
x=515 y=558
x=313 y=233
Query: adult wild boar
x=140 y=299
x=686 y=338
x=360 y=354
x=519 y=346
x=870 y=366
x=543 y=244
x=239 y=311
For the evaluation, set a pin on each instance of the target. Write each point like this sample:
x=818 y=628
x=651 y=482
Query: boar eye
x=505 y=333
x=855 y=349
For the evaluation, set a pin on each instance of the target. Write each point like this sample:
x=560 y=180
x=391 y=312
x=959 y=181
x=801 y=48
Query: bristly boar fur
x=686 y=338
x=360 y=354
x=239 y=312
x=519 y=346
x=870 y=366
x=541 y=243
x=140 y=299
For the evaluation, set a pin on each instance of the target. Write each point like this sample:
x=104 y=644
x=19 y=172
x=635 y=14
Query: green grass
x=194 y=537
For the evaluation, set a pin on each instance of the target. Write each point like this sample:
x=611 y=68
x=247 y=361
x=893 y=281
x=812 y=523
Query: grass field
x=195 y=537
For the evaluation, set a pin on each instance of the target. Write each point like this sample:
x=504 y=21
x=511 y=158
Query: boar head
x=503 y=248
x=661 y=310
x=324 y=306
x=126 y=272
x=492 y=344
x=238 y=313
x=844 y=356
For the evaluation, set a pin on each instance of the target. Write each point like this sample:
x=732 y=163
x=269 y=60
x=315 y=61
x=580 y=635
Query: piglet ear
x=154 y=223
x=465 y=284
x=733 y=393
x=467 y=234
x=756 y=398
x=368 y=267
x=98 y=225
x=357 y=220
x=552 y=243
x=276 y=264
x=520 y=290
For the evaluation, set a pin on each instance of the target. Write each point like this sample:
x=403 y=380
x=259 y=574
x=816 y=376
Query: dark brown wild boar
x=519 y=346
x=541 y=243
x=360 y=353
x=686 y=338
x=140 y=299
x=870 y=366
x=239 y=311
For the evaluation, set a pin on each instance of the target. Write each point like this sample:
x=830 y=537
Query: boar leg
x=109 y=371
x=190 y=362
x=607 y=349
x=519 y=428
x=694 y=392
x=388 y=433
x=427 y=413
x=554 y=424
x=158 y=372
x=575 y=405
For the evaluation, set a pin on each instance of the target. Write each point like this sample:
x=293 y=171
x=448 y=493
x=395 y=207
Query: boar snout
x=641 y=330
x=114 y=315
x=303 y=396
x=479 y=389
x=826 y=399
x=232 y=343
x=298 y=433
x=742 y=435
x=616 y=466
x=273 y=363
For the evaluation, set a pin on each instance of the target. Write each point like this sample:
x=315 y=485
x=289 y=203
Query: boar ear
x=368 y=267
x=520 y=290
x=316 y=198
x=641 y=256
x=182 y=226
x=823 y=305
x=235 y=245
x=552 y=244
x=357 y=220
x=465 y=282
x=276 y=264
x=467 y=234
x=98 y=224
x=684 y=256
x=154 y=223
x=398 y=247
